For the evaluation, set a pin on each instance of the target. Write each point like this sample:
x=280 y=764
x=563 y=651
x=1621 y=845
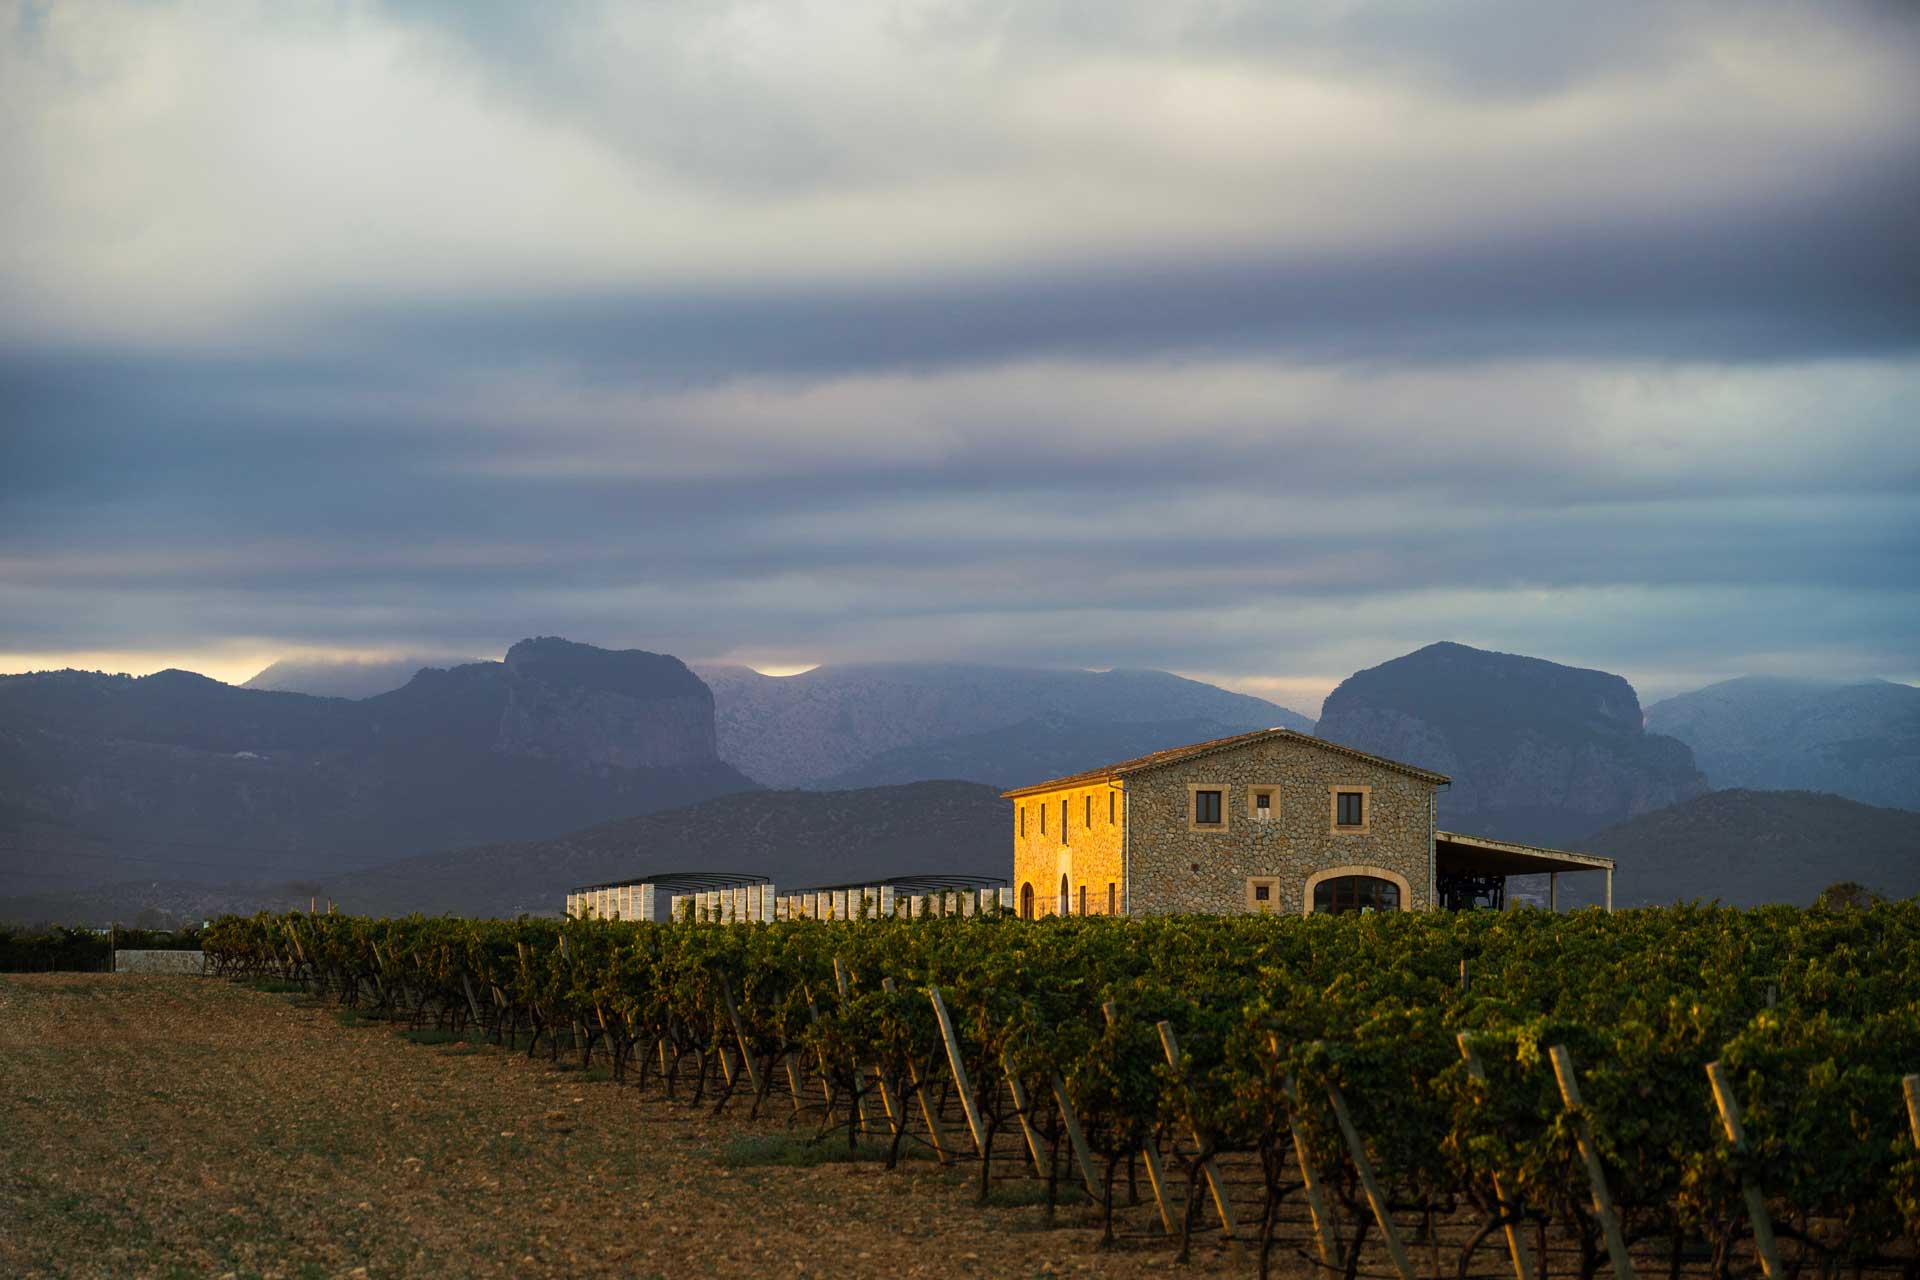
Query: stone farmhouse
x=1269 y=821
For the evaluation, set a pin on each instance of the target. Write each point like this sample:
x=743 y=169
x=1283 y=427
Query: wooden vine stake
x=473 y=1006
x=740 y=1034
x=1150 y=1150
x=793 y=1081
x=1171 y=1047
x=927 y=1111
x=974 y=1126
x=1910 y=1085
x=1077 y=1137
x=1522 y=1264
x=1019 y=1094
x=894 y=1118
x=1364 y=1167
x=1590 y=1155
x=1736 y=1138
x=1323 y=1234
x=826 y=1076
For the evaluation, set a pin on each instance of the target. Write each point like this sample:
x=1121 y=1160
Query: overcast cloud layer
x=1255 y=342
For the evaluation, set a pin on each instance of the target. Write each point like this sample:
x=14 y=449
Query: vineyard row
x=1688 y=1088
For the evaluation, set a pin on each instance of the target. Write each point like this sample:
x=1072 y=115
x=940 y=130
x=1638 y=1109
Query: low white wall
x=159 y=962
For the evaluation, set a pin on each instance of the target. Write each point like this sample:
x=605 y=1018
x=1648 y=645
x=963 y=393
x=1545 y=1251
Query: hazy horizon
x=1302 y=694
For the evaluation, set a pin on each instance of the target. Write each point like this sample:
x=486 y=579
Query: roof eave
x=1568 y=858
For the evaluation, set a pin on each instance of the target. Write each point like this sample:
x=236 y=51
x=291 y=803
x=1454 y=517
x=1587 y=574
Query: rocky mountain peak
x=1537 y=750
x=603 y=708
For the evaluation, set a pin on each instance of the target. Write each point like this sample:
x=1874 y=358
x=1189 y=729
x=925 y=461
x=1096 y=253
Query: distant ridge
x=346 y=677
x=175 y=776
x=1860 y=739
x=795 y=837
x=838 y=725
x=1745 y=848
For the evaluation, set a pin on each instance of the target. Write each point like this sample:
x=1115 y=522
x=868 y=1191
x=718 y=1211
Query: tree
x=1847 y=895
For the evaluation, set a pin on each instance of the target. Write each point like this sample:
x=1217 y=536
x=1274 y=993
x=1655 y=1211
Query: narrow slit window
x=1063 y=822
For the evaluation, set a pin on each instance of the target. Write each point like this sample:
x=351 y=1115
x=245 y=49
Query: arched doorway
x=1066 y=903
x=1026 y=901
x=1337 y=895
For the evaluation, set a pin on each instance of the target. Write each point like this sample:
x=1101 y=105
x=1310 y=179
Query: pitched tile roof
x=1173 y=755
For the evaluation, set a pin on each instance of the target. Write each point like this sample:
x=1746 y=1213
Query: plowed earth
x=182 y=1127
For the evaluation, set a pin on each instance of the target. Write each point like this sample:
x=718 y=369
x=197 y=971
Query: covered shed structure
x=1472 y=871
x=651 y=897
x=903 y=895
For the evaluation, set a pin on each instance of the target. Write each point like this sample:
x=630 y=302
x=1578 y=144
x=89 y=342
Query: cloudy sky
x=1257 y=342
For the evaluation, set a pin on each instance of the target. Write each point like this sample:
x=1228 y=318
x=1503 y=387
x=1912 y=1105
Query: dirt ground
x=183 y=1127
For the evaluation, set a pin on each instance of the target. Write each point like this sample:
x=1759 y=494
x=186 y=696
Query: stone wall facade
x=1178 y=866
x=1143 y=826
x=1090 y=856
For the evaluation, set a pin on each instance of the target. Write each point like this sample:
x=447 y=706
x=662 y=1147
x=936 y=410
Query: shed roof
x=1482 y=856
x=1174 y=755
x=681 y=881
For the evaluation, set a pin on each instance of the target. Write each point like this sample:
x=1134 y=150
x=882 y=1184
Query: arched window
x=1066 y=903
x=1355 y=893
x=1026 y=901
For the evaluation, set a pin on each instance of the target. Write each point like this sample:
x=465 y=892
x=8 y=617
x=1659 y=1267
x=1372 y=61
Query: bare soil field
x=182 y=1127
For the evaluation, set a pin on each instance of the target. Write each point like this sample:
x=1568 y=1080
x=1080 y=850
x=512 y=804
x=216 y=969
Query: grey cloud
x=1570 y=407
x=1836 y=275
x=730 y=117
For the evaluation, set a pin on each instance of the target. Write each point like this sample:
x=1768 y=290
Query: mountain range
x=447 y=791
x=1859 y=740
x=175 y=772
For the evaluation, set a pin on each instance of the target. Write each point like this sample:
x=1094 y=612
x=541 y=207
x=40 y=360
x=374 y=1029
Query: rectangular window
x=1089 y=811
x=1083 y=899
x=1043 y=818
x=1263 y=894
x=1112 y=905
x=1109 y=808
x=1352 y=809
x=1063 y=822
x=1206 y=808
x=1023 y=822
